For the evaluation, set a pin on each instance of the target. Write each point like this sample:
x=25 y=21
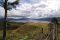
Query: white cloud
x=36 y=8
x=21 y=10
x=2 y=12
x=11 y=1
x=24 y=6
x=53 y=4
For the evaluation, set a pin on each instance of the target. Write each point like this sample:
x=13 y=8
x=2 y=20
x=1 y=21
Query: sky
x=34 y=9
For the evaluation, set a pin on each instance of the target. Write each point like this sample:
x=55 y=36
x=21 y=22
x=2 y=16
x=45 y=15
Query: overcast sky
x=34 y=9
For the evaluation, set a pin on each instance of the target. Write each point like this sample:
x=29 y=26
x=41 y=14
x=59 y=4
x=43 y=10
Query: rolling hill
x=27 y=19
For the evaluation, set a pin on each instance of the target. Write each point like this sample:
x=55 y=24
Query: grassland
x=26 y=31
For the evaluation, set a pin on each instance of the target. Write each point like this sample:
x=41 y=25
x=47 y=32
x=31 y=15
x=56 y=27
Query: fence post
x=42 y=30
x=53 y=29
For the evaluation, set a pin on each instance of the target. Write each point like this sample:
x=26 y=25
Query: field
x=26 y=31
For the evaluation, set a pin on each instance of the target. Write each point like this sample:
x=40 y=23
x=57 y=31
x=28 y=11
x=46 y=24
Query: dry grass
x=27 y=31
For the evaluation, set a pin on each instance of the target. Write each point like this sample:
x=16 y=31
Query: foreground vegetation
x=26 y=31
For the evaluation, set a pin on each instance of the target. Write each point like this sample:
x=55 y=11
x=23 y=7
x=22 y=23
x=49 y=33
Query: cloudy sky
x=34 y=9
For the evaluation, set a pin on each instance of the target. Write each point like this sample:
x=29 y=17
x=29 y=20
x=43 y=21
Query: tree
x=9 y=4
x=5 y=5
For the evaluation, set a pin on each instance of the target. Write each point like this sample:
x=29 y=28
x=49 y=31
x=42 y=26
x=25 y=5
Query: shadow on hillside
x=9 y=27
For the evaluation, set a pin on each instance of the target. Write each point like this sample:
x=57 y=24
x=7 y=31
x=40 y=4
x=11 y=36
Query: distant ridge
x=1 y=19
x=47 y=19
x=26 y=19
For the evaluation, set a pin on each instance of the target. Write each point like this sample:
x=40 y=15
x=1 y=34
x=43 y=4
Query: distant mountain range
x=26 y=19
x=1 y=19
x=47 y=19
